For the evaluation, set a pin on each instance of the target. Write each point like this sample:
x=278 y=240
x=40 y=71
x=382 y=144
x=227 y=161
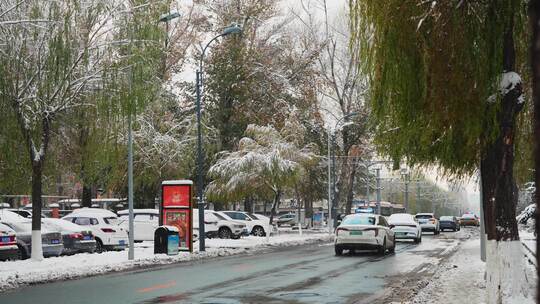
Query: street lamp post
x=233 y=29
x=407 y=177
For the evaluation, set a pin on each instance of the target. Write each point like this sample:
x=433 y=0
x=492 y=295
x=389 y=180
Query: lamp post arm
x=205 y=48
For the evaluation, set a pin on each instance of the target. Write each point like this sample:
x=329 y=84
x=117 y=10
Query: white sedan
x=364 y=231
x=104 y=226
x=405 y=227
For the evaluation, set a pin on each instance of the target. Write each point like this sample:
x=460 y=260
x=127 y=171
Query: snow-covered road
x=16 y=273
x=298 y=274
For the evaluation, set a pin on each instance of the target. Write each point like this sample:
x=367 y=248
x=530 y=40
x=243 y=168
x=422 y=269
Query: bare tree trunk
x=86 y=195
x=275 y=206
x=499 y=195
x=534 y=11
x=350 y=189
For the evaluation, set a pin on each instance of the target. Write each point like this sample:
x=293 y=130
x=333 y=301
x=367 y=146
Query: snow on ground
x=16 y=273
x=462 y=277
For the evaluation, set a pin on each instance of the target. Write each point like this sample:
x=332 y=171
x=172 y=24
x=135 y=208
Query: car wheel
x=382 y=249
x=338 y=250
x=225 y=233
x=23 y=255
x=258 y=231
x=99 y=246
x=393 y=248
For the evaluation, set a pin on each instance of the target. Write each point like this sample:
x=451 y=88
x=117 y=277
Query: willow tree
x=446 y=91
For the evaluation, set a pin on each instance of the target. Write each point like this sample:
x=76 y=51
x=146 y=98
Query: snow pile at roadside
x=462 y=277
x=16 y=273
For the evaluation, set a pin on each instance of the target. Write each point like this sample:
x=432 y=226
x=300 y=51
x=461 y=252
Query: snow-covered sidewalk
x=462 y=277
x=16 y=273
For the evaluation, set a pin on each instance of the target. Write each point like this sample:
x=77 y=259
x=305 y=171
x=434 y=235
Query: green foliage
x=433 y=66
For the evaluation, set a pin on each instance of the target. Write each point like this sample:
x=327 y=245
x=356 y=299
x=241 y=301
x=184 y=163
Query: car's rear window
x=111 y=220
x=219 y=216
x=359 y=220
x=253 y=216
x=447 y=218
x=424 y=216
x=468 y=216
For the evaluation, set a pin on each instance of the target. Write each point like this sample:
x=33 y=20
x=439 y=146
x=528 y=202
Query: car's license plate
x=87 y=237
x=356 y=232
x=55 y=241
x=5 y=239
x=122 y=242
x=401 y=233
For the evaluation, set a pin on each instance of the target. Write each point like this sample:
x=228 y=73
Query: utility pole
x=407 y=180
x=334 y=203
x=329 y=221
x=417 y=195
x=368 y=179
x=378 y=170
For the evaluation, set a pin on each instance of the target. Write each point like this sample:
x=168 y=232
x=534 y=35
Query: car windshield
x=359 y=220
x=424 y=216
x=447 y=218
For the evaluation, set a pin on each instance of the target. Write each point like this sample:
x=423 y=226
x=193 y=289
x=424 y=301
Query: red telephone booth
x=176 y=210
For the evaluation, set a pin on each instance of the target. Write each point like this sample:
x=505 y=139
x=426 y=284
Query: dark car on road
x=449 y=223
x=469 y=219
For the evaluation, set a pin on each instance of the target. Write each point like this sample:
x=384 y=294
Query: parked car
x=469 y=219
x=210 y=223
x=428 y=222
x=51 y=240
x=226 y=228
x=449 y=222
x=24 y=212
x=145 y=223
x=76 y=238
x=286 y=219
x=254 y=225
x=364 y=231
x=405 y=227
x=104 y=225
x=8 y=244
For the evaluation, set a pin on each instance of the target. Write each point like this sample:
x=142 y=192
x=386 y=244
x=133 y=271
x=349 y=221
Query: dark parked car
x=76 y=238
x=51 y=240
x=8 y=244
x=449 y=223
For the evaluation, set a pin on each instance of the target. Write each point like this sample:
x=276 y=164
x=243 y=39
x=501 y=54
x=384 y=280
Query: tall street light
x=331 y=173
x=232 y=29
x=131 y=229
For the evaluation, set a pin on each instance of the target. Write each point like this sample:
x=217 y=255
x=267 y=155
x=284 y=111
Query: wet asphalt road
x=302 y=274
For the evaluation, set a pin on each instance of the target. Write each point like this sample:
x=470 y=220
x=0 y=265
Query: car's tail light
x=341 y=229
x=108 y=230
x=432 y=220
x=76 y=236
x=376 y=230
